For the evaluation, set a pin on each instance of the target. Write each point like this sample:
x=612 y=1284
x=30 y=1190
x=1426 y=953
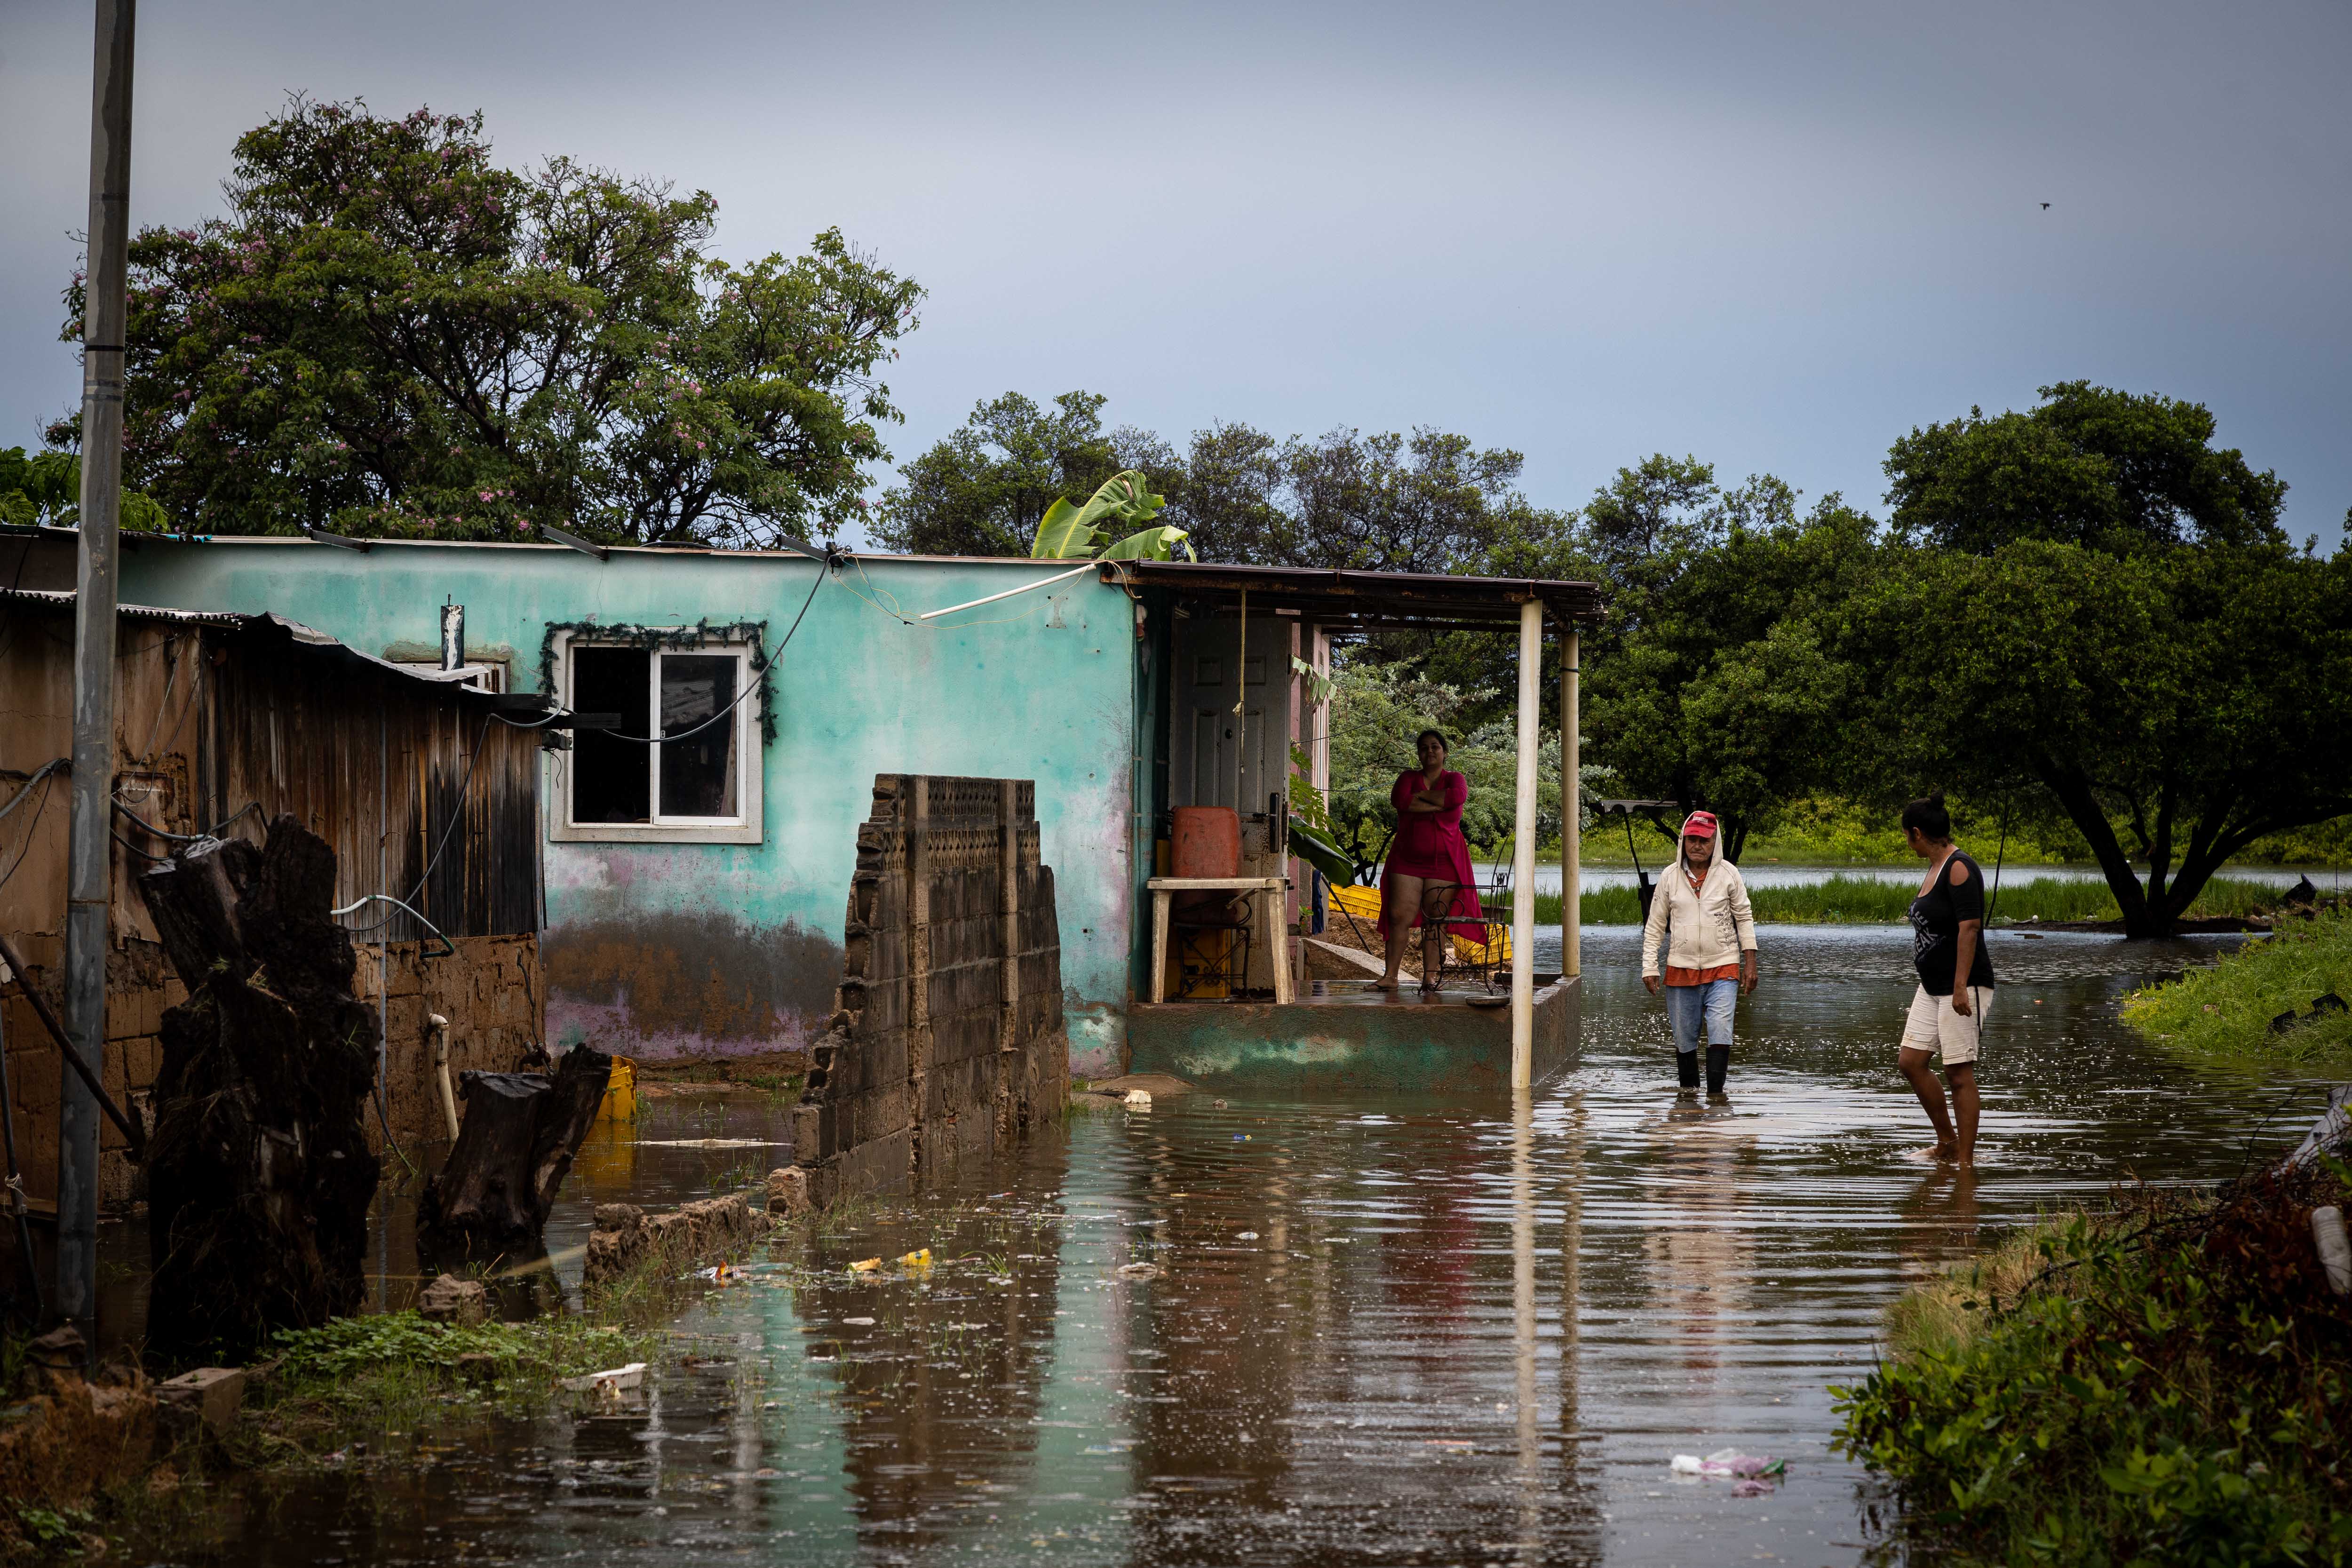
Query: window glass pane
x=698 y=775
x=611 y=779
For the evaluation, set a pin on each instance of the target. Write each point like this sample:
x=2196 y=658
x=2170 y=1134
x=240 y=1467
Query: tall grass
x=1863 y=901
x=2226 y=1010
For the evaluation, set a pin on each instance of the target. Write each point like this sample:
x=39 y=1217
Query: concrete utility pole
x=89 y=857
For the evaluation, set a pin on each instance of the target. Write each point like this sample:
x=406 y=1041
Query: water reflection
x=1270 y=1332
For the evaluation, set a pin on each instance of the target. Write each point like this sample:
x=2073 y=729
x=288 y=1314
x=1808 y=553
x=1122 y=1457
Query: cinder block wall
x=947 y=1037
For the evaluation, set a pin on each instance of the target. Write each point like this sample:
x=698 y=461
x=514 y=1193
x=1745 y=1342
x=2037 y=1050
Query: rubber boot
x=1687 y=1068
x=1719 y=1067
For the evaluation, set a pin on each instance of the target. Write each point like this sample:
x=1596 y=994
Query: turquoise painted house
x=695 y=891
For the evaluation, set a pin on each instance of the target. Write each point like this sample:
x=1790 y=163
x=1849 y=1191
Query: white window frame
x=745 y=828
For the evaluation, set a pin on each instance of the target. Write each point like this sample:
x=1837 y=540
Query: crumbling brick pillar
x=947 y=1036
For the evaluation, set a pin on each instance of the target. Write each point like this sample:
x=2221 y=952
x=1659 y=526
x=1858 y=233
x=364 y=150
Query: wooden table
x=1271 y=890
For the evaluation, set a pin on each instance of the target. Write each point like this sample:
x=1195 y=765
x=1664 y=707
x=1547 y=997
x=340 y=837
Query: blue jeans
x=1687 y=1004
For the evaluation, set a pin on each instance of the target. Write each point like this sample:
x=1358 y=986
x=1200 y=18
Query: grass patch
x=2226 y=1010
x=2164 y=1383
x=1866 y=900
x=358 y=1379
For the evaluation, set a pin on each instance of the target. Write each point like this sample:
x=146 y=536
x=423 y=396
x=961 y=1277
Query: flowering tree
x=390 y=334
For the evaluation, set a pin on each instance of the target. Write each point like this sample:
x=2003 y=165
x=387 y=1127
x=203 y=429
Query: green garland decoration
x=611 y=634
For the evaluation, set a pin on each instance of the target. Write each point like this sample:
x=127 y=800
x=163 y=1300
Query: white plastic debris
x=2335 y=1247
x=614 y=1381
x=1139 y=1271
x=1725 y=1463
x=1139 y=1099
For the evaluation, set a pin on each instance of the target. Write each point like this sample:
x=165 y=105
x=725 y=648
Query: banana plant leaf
x=1151 y=544
x=1321 y=856
x=1069 y=532
x=1062 y=535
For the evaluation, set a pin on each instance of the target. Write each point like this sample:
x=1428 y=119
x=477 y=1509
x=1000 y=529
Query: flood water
x=2329 y=880
x=1398 y=1333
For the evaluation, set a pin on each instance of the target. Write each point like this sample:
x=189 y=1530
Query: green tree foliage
x=389 y=333
x=2093 y=599
x=1714 y=678
x=1430 y=501
x=2176 y=704
x=45 y=488
x=1376 y=711
x=982 y=490
x=2114 y=470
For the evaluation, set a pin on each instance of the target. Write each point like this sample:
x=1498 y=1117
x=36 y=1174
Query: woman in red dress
x=1428 y=874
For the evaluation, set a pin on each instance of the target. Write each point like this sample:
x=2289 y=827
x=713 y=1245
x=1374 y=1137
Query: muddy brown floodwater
x=1397 y=1332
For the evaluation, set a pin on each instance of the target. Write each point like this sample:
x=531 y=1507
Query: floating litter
x=612 y=1382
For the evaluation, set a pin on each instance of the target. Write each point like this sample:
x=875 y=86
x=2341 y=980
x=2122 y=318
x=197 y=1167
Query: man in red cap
x=1710 y=962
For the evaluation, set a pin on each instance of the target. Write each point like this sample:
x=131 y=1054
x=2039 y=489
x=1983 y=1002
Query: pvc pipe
x=2334 y=1248
x=436 y=1029
x=1040 y=582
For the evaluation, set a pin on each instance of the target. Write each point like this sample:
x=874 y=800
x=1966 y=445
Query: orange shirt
x=1701 y=976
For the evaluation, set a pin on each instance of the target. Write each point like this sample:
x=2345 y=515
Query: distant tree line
x=2087 y=610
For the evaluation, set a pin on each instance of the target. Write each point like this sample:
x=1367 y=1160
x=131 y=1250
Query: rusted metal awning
x=1367 y=600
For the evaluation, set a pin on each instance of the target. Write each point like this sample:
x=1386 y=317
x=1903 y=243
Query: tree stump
x=514 y=1148
x=260 y=1175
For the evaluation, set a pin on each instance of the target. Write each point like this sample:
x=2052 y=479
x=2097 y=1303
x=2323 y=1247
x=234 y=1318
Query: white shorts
x=1934 y=1028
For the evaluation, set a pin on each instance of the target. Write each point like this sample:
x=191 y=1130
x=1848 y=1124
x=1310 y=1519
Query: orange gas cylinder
x=1208 y=842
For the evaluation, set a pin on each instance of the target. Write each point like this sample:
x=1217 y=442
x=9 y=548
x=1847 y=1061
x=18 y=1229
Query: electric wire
x=38 y=775
x=456 y=815
x=759 y=675
x=42 y=777
x=213 y=832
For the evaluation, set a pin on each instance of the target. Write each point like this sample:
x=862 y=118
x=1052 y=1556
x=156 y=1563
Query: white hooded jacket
x=1710 y=928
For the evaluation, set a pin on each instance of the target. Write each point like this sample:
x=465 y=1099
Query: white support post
x=1523 y=851
x=1571 y=806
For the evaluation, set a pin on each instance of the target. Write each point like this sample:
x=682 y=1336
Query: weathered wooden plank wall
x=215 y=715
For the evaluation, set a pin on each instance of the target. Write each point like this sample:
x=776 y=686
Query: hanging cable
x=56 y=764
x=456 y=815
x=41 y=777
x=213 y=832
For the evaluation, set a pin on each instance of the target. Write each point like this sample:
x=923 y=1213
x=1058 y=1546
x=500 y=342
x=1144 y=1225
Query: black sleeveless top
x=1936 y=916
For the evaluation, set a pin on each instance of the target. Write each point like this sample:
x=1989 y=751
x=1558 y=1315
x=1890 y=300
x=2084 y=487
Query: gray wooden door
x=1224 y=758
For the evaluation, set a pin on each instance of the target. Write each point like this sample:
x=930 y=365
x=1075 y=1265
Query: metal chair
x=1211 y=938
x=1489 y=953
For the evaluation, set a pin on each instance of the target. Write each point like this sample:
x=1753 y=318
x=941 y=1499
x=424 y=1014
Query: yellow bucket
x=620 y=1092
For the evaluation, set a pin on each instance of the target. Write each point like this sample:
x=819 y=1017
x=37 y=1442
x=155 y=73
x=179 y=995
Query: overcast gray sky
x=1776 y=237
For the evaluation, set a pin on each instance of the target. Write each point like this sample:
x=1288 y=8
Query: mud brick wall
x=491 y=991
x=947 y=1037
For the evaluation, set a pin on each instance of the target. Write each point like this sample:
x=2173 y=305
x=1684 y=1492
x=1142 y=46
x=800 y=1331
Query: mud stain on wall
x=688 y=985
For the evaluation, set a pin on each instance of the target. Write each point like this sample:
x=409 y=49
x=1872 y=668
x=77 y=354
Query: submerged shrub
x=2168 y=1385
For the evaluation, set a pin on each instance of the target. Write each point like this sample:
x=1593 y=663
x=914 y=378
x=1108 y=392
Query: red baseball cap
x=1699 y=825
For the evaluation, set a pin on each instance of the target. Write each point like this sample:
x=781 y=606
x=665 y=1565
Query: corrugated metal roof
x=64 y=601
x=293 y=631
x=1371 y=600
